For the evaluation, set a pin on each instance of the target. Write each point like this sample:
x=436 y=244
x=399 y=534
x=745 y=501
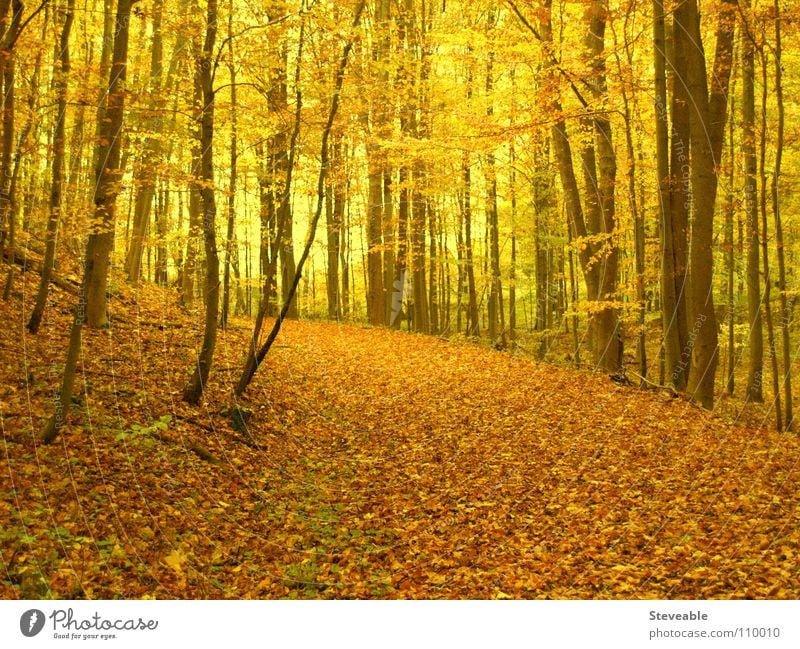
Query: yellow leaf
x=175 y=560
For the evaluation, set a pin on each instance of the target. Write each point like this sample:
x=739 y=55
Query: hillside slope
x=375 y=464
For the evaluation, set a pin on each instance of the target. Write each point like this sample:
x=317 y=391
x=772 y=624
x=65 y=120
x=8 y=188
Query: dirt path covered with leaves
x=375 y=464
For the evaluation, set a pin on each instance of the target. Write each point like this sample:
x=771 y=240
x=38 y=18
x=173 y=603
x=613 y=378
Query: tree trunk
x=496 y=336
x=677 y=367
x=637 y=215
x=256 y=357
x=473 y=324
x=753 y=391
x=8 y=37
x=335 y=214
x=418 y=223
x=191 y=261
x=145 y=177
x=433 y=257
x=107 y=156
x=598 y=256
x=375 y=306
x=730 y=208
x=776 y=391
x=105 y=196
x=512 y=276
x=61 y=70
x=708 y=114
x=194 y=388
x=230 y=239
x=282 y=168
x=786 y=309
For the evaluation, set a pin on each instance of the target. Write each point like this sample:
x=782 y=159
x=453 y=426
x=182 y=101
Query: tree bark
x=335 y=215
x=106 y=193
x=204 y=69
x=786 y=308
x=753 y=391
x=191 y=260
x=473 y=323
x=496 y=336
x=61 y=70
x=230 y=239
x=145 y=180
x=678 y=367
x=598 y=255
x=707 y=128
x=101 y=236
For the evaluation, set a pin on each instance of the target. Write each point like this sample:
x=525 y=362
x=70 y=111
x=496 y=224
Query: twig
x=657 y=386
x=199 y=451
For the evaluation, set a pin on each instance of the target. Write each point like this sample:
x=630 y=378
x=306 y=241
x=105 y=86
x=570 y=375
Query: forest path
x=378 y=464
x=494 y=475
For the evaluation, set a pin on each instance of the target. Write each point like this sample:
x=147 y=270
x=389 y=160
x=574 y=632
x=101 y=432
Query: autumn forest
x=399 y=298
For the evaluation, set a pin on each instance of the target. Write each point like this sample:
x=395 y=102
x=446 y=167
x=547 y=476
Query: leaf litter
x=371 y=464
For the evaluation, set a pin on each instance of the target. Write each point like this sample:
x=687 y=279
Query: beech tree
x=707 y=116
x=204 y=69
x=61 y=74
x=98 y=243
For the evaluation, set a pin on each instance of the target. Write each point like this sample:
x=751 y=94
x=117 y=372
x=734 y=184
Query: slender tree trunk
x=608 y=339
x=473 y=323
x=598 y=257
x=203 y=68
x=418 y=227
x=108 y=172
x=378 y=122
x=282 y=161
x=773 y=357
x=678 y=367
x=344 y=255
x=160 y=218
x=191 y=261
x=375 y=305
x=230 y=239
x=401 y=263
x=730 y=208
x=6 y=192
x=255 y=358
x=542 y=207
x=573 y=284
x=433 y=289
x=753 y=391
x=496 y=337
x=335 y=214
x=461 y=284
x=145 y=180
x=637 y=214
x=786 y=309
x=105 y=196
x=512 y=276
x=61 y=70
x=8 y=38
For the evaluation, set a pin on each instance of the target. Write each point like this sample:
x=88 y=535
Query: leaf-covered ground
x=375 y=464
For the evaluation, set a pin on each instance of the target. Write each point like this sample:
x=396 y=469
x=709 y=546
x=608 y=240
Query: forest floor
x=375 y=464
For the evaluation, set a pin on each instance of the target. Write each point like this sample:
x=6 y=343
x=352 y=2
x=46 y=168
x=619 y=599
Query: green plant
x=146 y=431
